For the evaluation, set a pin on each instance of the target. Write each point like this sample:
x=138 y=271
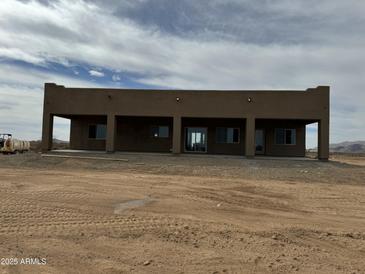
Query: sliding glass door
x=196 y=139
x=260 y=141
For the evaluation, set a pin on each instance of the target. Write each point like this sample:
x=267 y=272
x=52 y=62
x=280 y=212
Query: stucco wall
x=79 y=133
x=273 y=149
x=134 y=134
x=211 y=124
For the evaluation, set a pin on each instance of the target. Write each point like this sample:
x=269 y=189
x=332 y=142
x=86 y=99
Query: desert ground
x=151 y=213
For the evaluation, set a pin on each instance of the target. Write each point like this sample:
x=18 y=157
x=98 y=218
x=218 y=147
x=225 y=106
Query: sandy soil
x=164 y=214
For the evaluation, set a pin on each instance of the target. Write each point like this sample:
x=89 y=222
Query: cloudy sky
x=190 y=44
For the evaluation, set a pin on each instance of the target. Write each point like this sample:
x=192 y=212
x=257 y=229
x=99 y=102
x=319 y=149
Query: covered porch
x=247 y=136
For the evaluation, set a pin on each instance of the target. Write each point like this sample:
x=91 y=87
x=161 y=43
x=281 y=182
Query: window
x=284 y=136
x=160 y=131
x=227 y=135
x=97 y=131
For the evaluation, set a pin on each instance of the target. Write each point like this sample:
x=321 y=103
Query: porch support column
x=323 y=139
x=47 y=132
x=250 y=137
x=176 y=136
x=110 y=133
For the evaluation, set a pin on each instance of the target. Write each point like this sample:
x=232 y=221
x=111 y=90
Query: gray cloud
x=7 y=105
x=258 y=22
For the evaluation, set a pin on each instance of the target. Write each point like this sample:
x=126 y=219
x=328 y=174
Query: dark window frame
x=226 y=139
x=294 y=141
x=152 y=133
x=96 y=132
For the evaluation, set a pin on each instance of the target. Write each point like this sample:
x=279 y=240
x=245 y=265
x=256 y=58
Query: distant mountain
x=57 y=141
x=348 y=147
x=345 y=147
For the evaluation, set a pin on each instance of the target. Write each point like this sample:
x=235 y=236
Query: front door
x=196 y=139
x=260 y=141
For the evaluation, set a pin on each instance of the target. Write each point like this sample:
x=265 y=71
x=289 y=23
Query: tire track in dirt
x=236 y=199
x=23 y=214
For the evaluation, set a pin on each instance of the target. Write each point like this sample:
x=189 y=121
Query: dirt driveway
x=162 y=214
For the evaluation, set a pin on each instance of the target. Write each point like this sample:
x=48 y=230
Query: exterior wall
x=134 y=134
x=304 y=104
x=211 y=124
x=311 y=105
x=79 y=133
x=273 y=149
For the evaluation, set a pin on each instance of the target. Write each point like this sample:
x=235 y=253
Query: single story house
x=230 y=122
